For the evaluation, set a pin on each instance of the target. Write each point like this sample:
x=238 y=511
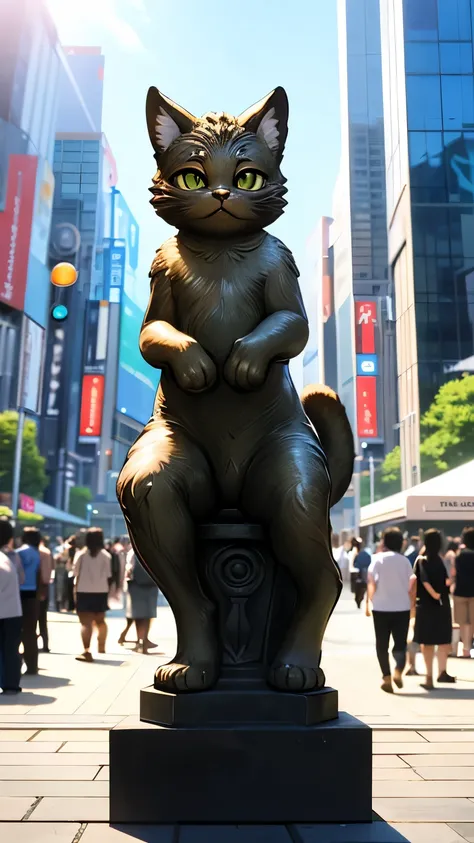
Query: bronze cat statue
x=225 y=315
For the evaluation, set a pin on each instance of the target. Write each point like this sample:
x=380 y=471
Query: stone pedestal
x=242 y=774
x=242 y=752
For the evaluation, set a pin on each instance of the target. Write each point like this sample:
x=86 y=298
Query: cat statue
x=225 y=316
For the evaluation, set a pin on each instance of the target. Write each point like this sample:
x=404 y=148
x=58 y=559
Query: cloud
x=76 y=20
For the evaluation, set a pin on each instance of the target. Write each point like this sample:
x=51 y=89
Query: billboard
x=114 y=269
x=126 y=228
x=136 y=380
x=15 y=229
x=365 y=322
x=43 y=211
x=33 y=356
x=367 y=427
x=92 y=405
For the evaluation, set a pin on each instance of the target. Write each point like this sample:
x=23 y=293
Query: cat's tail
x=328 y=416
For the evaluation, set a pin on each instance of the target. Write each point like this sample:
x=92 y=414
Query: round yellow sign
x=63 y=275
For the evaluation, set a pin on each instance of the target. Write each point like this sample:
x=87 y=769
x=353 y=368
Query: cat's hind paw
x=291 y=677
x=179 y=678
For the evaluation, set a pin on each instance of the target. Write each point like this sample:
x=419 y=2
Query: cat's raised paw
x=199 y=676
x=291 y=677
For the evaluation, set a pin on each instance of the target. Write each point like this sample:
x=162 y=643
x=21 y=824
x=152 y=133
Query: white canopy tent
x=447 y=497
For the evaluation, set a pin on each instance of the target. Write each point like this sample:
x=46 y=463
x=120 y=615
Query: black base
x=237 y=775
x=238 y=707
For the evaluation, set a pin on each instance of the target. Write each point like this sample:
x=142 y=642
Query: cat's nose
x=221 y=193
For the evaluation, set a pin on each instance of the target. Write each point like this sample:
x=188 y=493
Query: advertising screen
x=365 y=322
x=92 y=405
x=136 y=381
x=367 y=407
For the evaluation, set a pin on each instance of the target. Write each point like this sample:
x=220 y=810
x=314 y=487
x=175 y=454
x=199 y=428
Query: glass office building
x=428 y=84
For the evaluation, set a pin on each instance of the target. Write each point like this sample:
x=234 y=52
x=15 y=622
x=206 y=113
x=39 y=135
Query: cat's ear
x=166 y=120
x=269 y=120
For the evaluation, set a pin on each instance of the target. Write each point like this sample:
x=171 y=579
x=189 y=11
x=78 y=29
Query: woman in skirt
x=141 y=601
x=433 y=623
x=92 y=577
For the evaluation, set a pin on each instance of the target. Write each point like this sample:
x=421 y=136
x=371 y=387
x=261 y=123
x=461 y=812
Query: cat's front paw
x=194 y=370
x=246 y=367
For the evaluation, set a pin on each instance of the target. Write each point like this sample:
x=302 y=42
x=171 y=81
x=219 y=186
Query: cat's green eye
x=250 y=180
x=189 y=180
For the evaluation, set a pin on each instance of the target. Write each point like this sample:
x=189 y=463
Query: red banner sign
x=367 y=427
x=365 y=322
x=92 y=405
x=15 y=229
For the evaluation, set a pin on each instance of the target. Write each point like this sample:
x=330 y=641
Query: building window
x=456 y=58
x=458 y=101
x=421 y=20
x=72 y=156
x=454 y=20
x=421 y=57
x=424 y=102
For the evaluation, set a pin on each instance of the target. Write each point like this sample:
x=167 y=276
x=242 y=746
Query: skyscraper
x=428 y=89
x=355 y=328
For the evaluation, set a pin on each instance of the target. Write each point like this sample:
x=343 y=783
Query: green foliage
x=447 y=427
x=79 y=497
x=447 y=434
x=33 y=479
x=390 y=472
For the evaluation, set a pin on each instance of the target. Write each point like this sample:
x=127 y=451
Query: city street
x=54 y=741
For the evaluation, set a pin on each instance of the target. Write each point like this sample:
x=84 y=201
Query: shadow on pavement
x=40 y=681
x=376 y=832
x=27 y=698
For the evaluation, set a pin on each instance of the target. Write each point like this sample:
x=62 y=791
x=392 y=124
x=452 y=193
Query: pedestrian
x=360 y=567
x=46 y=560
x=388 y=587
x=433 y=623
x=413 y=550
x=340 y=555
x=29 y=591
x=463 y=592
x=449 y=558
x=11 y=577
x=61 y=594
x=92 y=577
x=141 y=602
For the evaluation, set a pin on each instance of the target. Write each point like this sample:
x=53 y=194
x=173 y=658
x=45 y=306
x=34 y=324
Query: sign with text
x=15 y=229
x=367 y=364
x=366 y=387
x=365 y=322
x=447 y=508
x=92 y=404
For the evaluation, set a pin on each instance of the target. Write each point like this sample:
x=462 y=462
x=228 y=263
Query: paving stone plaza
x=54 y=745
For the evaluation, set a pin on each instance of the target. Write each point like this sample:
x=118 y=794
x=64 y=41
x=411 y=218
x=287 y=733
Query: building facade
x=354 y=337
x=30 y=60
x=428 y=88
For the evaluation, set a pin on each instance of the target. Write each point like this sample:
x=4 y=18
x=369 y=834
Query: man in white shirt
x=341 y=556
x=10 y=626
x=389 y=578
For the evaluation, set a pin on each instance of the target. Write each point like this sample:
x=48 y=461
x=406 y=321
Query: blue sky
x=216 y=55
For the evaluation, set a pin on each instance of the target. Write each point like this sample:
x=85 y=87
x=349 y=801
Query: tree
x=446 y=431
x=447 y=427
x=390 y=471
x=33 y=479
x=79 y=497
